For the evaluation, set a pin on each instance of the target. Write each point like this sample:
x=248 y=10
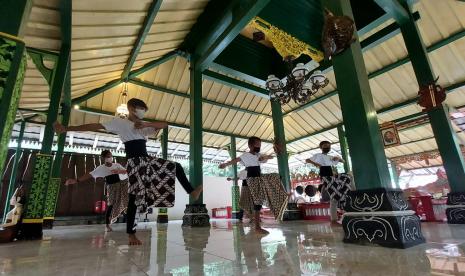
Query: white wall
x=216 y=193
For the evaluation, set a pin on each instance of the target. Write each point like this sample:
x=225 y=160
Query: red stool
x=100 y=207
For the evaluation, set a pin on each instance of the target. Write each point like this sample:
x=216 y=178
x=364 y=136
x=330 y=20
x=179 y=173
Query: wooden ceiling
x=104 y=33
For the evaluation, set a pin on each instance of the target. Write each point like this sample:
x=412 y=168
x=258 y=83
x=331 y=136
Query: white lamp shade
x=273 y=83
x=122 y=110
x=299 y=71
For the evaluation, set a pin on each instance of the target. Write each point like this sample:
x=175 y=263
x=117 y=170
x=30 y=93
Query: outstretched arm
x=79 y=179
x=265 y=158
x=313 y=163
x=229 y=163
x=338 y=159
x=154 y=124
x=59 y=128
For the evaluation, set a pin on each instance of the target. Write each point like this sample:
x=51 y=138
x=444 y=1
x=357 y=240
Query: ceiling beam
x=48 y=54
x=449 y=89
x=383 y=70
x=395 y=9
x=184 y=95
x=154 y=63
x=99 y=112
x=235 y=83
x=384 y=34
x=33 y=110
x=239 y=14
x=97 y=91
x=143 y=32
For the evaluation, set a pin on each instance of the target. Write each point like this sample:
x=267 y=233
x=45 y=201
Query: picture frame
x=389 y=135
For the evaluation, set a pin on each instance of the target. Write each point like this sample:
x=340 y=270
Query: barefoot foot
x=133 y=240
x=196 y=193
x=108 y=228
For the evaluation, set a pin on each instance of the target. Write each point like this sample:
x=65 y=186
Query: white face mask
x=109 y=160
x=140 y=113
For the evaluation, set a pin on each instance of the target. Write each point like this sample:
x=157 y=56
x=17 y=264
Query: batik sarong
x=338 y=186
x=152 y=181
x=246 y=201
x=118 y=198
x=268 y=190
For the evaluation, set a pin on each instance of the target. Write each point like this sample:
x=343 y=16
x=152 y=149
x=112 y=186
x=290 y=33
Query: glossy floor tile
x=229 y=248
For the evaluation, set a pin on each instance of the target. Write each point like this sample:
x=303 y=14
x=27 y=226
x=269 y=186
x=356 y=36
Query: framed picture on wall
x=389 y=134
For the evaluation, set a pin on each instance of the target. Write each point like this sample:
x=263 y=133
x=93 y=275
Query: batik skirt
x=117 y=196
x=246 y=201
x=268 y=190
x=338 y=186
x=152 y=181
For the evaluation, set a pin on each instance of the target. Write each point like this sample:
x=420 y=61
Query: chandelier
x=122 y=110
x=300 y=85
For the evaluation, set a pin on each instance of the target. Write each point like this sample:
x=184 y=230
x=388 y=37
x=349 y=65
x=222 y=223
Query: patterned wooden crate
x=222 y=212
x=315 y=211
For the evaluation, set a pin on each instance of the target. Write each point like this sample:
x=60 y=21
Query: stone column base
x=292 y=212
x=455 y=211
x=48 y=223
x=30 y=231
x=162 y=216
x=380 y=216
x=237 y=215
x=196 y=215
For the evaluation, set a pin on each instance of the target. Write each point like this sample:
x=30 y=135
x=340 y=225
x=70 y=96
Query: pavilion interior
x=105 y=61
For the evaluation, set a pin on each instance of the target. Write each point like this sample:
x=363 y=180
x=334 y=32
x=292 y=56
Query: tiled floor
x=292 y=248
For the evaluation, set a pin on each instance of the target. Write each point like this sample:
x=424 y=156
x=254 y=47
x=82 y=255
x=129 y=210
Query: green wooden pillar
x=54 y=184
x=439 y=118
x=365 y=220
x=13 y=15
x=394 y=174
x=292 y=212
x=163 y=212
x=35 y=207
x=361 y=124
x=195 y=144
x=235 y=192
x=196 y=213
x=344 y=147
x=14 y=171
x=280 y=138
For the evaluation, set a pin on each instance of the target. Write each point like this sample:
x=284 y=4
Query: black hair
x=104 y=153
x=322 y=143
x=134 y=102
x=254 y=139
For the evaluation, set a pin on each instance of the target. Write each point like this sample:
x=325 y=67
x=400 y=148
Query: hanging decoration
x=389 y=134
x=418 y=157
x=122 y=110
x=285 y=44
x=300 y=85
x=338 y=34
x=430 y=96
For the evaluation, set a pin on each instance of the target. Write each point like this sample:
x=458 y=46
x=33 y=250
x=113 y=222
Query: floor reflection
x=228 y=248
